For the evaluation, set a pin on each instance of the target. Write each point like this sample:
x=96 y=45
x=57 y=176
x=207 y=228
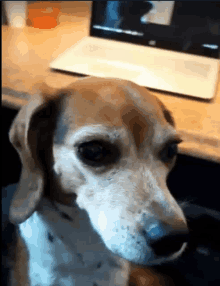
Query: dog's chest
x=64 y=250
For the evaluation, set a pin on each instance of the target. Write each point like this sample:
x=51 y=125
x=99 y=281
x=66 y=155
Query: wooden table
x=26 y=54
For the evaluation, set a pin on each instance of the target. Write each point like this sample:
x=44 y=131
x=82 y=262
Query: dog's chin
x=155 y=260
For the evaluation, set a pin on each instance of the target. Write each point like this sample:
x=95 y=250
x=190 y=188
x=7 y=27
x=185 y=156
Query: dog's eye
x=169 y=152
x=98 y=153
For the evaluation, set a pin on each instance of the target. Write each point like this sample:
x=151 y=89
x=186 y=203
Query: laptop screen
x=191 y=27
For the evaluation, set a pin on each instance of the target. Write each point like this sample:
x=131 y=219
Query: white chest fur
x=66 y=251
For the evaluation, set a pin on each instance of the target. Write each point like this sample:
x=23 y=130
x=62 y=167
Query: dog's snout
x=167 y=243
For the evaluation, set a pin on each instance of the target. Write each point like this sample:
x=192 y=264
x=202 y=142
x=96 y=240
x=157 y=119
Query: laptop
x=162 y=45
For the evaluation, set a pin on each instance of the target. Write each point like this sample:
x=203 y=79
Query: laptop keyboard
x=146 y=66
x=128 y=60
x=98 y=51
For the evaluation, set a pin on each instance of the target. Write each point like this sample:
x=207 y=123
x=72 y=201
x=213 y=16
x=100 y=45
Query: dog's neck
x=64 y=231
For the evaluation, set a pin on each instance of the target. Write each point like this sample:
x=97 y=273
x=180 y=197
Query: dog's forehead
x=110 y=102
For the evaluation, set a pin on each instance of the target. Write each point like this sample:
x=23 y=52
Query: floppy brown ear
x=31 y=135
x=167 y=114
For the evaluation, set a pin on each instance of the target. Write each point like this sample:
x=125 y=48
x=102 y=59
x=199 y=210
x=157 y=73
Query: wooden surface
x=26 y=54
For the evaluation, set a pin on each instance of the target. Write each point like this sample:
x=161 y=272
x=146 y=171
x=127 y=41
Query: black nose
x=169 y=244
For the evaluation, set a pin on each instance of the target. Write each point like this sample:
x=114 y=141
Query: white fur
x=73 y=256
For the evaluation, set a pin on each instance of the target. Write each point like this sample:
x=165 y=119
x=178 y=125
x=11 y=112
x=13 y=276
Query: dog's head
x=108 y=145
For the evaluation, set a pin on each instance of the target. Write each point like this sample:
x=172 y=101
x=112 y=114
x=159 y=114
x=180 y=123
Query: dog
x=92 y=200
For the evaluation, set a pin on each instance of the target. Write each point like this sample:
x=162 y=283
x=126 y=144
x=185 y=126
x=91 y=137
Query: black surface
x=197 y=181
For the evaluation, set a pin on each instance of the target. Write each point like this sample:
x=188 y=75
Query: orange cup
x=41 y=16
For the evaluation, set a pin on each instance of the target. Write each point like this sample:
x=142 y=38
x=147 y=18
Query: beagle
x=92 y=201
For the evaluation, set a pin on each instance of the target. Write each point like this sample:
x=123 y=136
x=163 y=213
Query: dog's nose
x=168 y=243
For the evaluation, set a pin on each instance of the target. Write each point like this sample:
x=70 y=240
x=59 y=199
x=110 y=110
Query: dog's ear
x=167 y=114
x=31 y=135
